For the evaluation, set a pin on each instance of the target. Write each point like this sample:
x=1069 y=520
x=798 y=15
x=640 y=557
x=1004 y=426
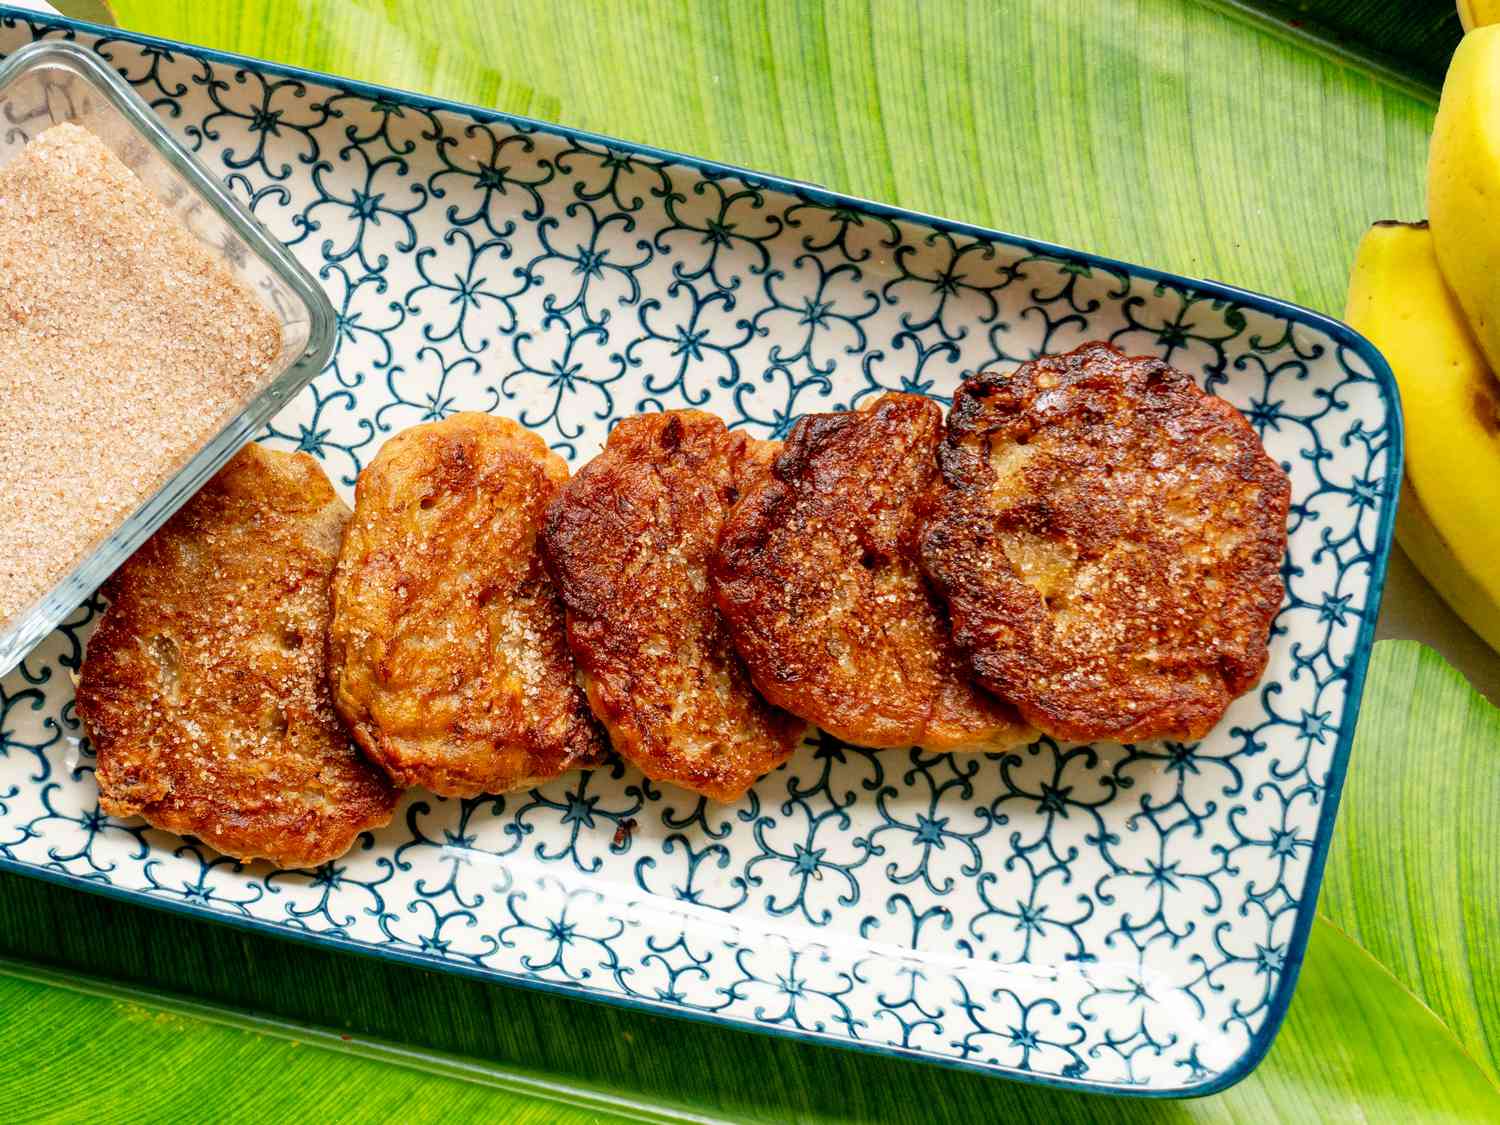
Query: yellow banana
x=1463 y=184
x=1449 y=517
x=1477 y=13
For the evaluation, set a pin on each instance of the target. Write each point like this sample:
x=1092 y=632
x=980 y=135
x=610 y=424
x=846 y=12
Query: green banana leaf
x=93 y=1052
x=80 y=1041
x=1414 y=38
x=1414 y=874
x=1193 y=134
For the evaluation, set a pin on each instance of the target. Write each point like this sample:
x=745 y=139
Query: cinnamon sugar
x=124 y=346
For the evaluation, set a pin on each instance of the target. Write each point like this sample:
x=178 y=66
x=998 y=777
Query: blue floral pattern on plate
x=1117 y=917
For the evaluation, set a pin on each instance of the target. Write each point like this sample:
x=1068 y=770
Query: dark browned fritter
x=203 y=690
x=818 y=579
x=628 y=541
x=446 y=650
x=1109 y=542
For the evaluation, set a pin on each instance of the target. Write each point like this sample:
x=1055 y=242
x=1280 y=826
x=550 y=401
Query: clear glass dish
x=51 y=82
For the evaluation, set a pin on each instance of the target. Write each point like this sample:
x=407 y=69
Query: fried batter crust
x=628 y=542
x=1109 y=542
x=818 y=579
x=447 y=656
x=203 y=689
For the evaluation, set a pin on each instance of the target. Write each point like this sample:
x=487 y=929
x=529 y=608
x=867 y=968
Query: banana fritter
x=1109 y=543
x=817 y=576
x=628 y=541
x=203 y=691
x=446 y=649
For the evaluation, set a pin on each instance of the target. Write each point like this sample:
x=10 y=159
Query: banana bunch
x=1428 y=296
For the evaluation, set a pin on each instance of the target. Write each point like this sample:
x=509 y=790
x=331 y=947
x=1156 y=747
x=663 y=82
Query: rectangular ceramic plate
x=1117 y=918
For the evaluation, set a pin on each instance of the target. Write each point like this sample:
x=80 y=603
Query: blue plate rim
x=1343 y=335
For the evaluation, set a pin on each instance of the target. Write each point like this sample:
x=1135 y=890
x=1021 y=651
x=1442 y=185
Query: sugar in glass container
x=50 y=82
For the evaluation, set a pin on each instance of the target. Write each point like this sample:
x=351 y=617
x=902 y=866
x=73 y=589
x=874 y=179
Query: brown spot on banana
x=1487 y=407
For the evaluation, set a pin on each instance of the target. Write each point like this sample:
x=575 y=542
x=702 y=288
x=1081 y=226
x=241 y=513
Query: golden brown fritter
x=628 y=542
x=446 y=650
x=817 y=577
x=203 y=691
x=1109 y=542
